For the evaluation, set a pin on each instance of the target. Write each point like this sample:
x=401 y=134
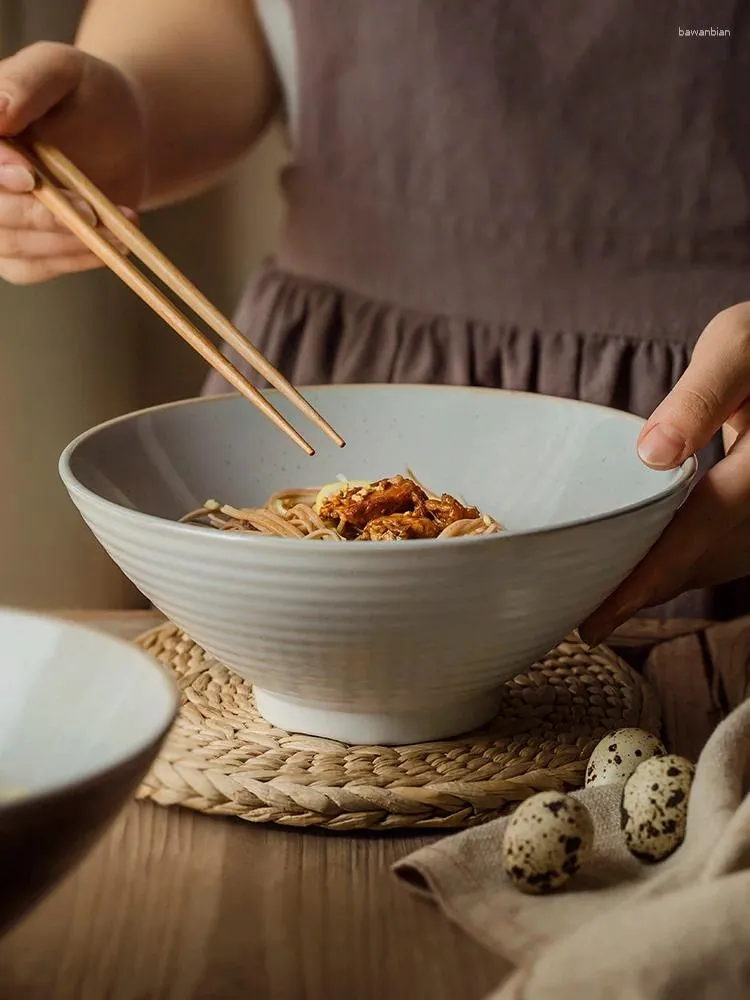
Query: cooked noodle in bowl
x=387 y=510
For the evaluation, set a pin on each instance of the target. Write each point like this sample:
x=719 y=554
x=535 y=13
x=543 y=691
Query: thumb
x=714 y=386
x=34 y=80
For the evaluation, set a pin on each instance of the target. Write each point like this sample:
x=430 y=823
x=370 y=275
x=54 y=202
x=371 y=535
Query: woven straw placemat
x=224 y=759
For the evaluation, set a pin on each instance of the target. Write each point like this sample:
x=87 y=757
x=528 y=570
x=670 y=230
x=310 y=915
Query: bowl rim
x=90 y=779
x=681 y=483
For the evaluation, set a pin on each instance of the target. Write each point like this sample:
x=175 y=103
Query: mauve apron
x=549 y=196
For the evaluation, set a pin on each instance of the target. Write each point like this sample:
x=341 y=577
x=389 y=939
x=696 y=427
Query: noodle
x=386 y=510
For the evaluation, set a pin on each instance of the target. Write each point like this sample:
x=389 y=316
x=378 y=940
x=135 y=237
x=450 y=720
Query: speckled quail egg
x=619 y=753
x=547 y=839
x=654 y=806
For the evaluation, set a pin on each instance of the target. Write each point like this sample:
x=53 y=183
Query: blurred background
x=83 y=349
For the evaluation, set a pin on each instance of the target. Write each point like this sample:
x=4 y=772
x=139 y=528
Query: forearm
x=204 y=79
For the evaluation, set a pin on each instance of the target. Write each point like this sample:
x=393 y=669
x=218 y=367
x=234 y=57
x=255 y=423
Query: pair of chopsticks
x=47 y=160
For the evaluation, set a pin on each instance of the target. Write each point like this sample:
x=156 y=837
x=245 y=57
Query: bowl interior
x=532 y=461
x=74 y=703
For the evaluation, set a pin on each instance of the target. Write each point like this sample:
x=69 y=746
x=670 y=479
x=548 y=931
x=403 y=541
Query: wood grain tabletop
x=174 y=905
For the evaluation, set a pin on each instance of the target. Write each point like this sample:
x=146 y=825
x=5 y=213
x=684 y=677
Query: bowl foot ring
x=223 y=758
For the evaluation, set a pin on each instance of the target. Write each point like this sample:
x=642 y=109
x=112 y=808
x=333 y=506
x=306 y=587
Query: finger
x=728 y=559
x=15 y=171
x=714 y=385
x=34 y=80
x=27 y=243
x=737 y=424
x=728 y=437
x=26 y=212
x=23 y=211
x=18 y=271
x=717 y=505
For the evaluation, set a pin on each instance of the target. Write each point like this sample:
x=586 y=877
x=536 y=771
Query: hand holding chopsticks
x=47 y=160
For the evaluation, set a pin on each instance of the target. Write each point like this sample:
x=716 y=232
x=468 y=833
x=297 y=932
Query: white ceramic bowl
x=386 y=642
x=82 y=717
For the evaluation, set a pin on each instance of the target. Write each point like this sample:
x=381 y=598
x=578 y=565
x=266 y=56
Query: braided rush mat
x=224 y=759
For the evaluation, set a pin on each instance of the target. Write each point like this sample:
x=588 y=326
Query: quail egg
x=619 y=753
x=548 y=838
x=654 y=806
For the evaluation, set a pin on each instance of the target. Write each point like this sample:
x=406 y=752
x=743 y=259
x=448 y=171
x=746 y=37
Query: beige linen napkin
x=675 y=931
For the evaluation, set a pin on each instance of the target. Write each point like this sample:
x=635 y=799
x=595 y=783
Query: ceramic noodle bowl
x=378 y=642
x=82 y=716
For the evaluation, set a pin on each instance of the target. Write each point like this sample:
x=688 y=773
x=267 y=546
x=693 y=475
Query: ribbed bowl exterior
x=376 y=629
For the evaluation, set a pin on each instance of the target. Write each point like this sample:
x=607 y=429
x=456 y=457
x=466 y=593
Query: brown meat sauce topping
x=447 y=510
x=393 y=527
x=390 y=509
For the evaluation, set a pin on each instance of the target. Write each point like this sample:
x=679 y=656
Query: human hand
x=90 y=110
x=708 y=541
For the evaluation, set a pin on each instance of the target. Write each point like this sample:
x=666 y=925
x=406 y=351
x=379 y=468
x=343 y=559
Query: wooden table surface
x=174 y=905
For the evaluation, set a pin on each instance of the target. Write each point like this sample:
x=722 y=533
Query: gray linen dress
x=550 y=196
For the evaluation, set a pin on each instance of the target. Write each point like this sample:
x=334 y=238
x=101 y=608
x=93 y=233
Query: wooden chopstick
x=141 y=247
x=68 y=174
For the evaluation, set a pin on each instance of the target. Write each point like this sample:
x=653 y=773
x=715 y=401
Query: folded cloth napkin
x=679 y=930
